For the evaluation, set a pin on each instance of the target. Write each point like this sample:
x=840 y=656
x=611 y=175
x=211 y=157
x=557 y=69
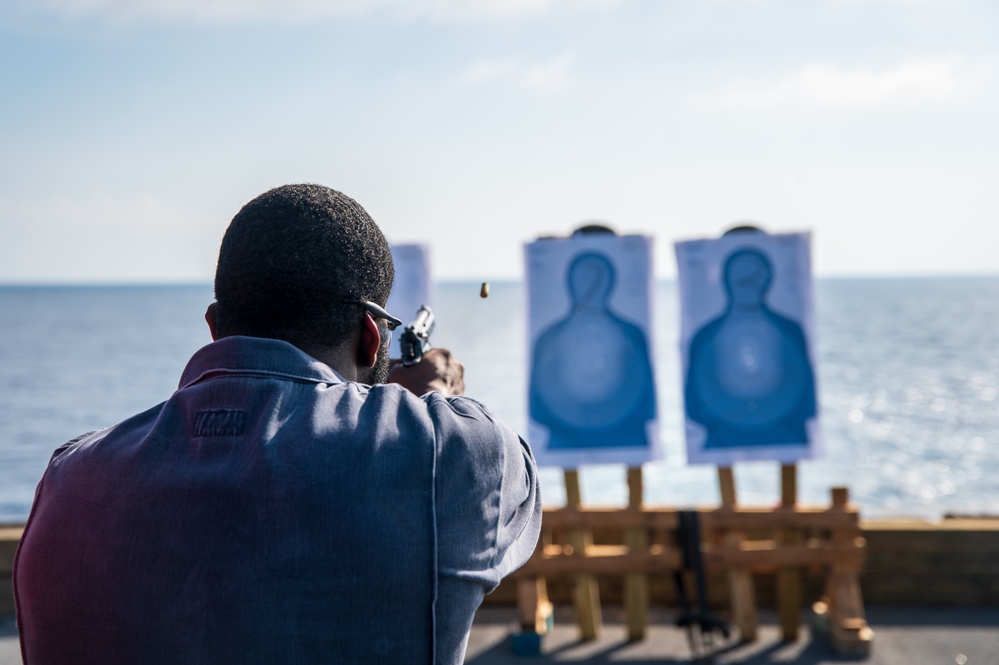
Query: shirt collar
x=256 y=354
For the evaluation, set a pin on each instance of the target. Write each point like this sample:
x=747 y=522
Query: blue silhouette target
x=749 y=381
x=591 y=377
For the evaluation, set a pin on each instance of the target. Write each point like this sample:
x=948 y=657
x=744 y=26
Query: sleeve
x=488 y=502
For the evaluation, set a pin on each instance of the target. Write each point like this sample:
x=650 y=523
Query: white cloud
x=897 y=2
x=476 y=9
x=823 y=84
x=208 y=11
x=546 y=76
x=549 y=76
x=220 y=11
x=485 y=70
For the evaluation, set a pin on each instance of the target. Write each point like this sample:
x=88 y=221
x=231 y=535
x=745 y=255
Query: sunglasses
x=376 y=311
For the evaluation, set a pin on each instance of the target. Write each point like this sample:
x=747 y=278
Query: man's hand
x=437 y=371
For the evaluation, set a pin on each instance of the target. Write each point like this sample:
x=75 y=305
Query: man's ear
x=369 y=343
x=210 y=315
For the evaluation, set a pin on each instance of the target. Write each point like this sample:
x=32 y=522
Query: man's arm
x=486 y=497
x=488 y=512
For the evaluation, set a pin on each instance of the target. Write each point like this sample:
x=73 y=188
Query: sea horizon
x=184 y=282
x=907 y=379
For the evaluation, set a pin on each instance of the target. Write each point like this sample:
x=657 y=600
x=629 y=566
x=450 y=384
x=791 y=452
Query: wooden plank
x=9 y=538
x=726 y=487
x=898 y=567
x=636 y=584
x=763 y=555
x=789 y=579
x=846 y=621
x=665 y=519
x=587 y=594
x=528 y=602
x=534 y=610
x=742 y=595
x=11 y=532
x=979 y=526
x=788 y=485
x=758 y=556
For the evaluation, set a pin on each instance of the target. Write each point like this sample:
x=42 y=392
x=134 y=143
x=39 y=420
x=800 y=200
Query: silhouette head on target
x=591 y=281
x=748 y=275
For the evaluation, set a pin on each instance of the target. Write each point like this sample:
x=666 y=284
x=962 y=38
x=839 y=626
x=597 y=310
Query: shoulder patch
x=468 y=407
x=220 y=422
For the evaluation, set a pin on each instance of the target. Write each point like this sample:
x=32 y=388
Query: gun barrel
x=423 y=325
x=415 y=339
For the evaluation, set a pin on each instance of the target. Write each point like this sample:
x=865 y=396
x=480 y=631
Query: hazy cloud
x=220 y=11
x=824 y=84
x=552 y=75
x=485 y=70
x=897 y=2
x=546 y=76
x=208 y=11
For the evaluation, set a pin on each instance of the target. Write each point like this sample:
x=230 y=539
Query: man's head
x=291 y=260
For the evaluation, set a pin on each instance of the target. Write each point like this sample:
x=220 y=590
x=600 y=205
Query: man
x=283 y=506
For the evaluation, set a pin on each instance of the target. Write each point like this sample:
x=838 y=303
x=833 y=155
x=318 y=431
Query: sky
x=131 y=131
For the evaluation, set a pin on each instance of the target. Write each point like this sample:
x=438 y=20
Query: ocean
x=908 y=380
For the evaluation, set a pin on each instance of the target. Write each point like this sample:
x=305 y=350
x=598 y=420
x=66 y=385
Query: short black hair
x=289 y=260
